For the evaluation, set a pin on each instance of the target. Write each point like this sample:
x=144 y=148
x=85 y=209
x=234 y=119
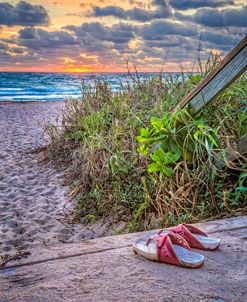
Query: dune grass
x=129 y=157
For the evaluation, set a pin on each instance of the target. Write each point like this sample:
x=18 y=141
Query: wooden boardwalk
x=106 y=270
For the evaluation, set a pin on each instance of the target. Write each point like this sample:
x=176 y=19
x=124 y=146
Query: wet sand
x=32 y=200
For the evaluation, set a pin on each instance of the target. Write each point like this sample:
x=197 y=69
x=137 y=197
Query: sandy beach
x=32 y=200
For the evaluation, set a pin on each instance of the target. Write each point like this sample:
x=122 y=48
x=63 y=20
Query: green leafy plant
x=242 y=183
x=173 y=138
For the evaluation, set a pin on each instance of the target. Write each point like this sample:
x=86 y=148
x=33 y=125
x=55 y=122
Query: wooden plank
x=119 y=275
x=231 y=67
x=99 y=245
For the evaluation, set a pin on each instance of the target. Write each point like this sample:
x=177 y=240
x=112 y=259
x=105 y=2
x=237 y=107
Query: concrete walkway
x=106 y=270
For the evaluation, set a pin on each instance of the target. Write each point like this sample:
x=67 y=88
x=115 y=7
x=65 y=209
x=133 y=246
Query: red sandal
x=194 y=236
x=168 y=248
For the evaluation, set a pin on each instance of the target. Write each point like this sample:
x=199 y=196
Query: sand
x=33 y=201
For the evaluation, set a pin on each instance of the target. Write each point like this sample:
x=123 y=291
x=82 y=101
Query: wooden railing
x=230 y=68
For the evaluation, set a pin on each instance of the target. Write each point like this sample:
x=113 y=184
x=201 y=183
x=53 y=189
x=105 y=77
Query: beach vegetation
x=129 y=157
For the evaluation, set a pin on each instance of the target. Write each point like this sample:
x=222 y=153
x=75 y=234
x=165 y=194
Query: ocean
x=36 y=86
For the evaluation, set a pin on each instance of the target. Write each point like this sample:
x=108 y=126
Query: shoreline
x=27 y=102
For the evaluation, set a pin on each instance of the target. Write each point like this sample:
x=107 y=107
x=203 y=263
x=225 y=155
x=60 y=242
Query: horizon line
x=86 y=72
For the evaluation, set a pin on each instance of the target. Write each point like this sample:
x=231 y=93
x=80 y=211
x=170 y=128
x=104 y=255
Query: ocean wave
x=54 y=86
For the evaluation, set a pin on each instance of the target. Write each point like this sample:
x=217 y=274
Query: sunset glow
x=88 y=36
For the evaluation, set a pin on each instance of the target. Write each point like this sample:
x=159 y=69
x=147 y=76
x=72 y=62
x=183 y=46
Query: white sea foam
x=55 y=86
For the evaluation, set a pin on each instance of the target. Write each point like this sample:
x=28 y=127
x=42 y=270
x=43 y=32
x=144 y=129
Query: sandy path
x=31 y=199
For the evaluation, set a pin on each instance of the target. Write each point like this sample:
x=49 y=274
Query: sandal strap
x=187 y=231
x=194 y=229
x=165 y=249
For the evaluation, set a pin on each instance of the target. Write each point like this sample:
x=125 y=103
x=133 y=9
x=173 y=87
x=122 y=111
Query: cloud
x=143 y=15
x=189 y=4
x=160 y=3
x=118 y=33
x=4 y=46
x=236 y=17
x=34 y=38
x=218 y=38
x=168 y=42
x=57 y=3
x=23 y=13
x=109 y=43
x=18 y=50
x=226 y=17
x=10 y=58
x=14 y=54
x=109 y=11
x=158 y=29
x=85 y=4
x=137 y=3
x=136 y=13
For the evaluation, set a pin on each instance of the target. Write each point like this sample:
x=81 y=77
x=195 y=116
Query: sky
x=102 y=35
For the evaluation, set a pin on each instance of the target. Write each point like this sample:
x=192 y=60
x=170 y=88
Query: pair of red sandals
x=173 y=245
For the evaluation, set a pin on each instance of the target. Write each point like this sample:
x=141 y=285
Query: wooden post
x=231 y=67
x=230 y=154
